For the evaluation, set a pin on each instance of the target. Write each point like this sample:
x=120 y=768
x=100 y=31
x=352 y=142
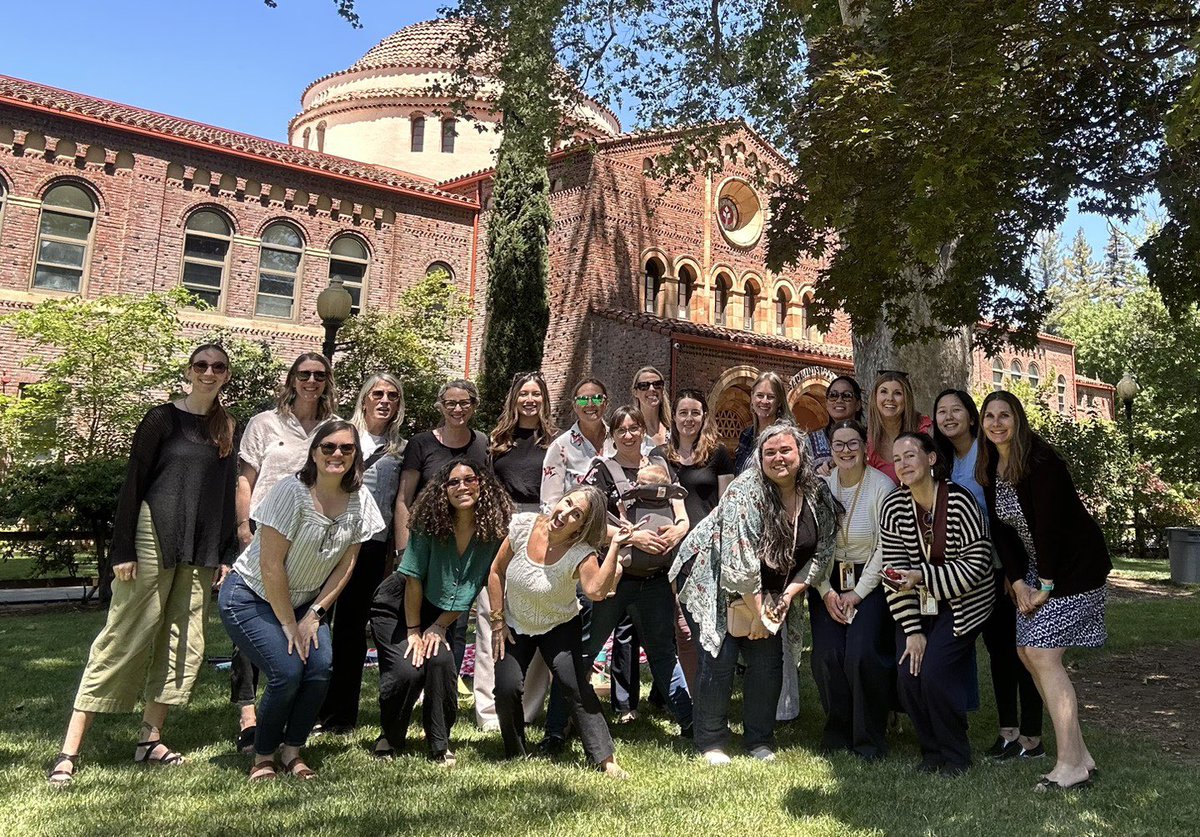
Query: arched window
x=653 y=287
x=687 y=286
x=1015 y=370
x=1062 y=394
x=64 y=238
x=278 y=270
x=781 y=312
x=811 y=333
x=321 y=137
x=449 y=132
x=749 y=306
x=1035 y=375
x=418 y=134
x=997 y=374
x=349 y=261
x=305 y=135
x=721 y=300
x=206 y=255
x=443 y=267
x=3 y=195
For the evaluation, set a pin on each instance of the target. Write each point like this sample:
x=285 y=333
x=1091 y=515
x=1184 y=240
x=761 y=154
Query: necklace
x=845 y=529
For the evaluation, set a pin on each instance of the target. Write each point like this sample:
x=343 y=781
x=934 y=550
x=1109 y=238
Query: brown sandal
x=261 y=771
x=59 y=778
x=168 y=759
x=296 y=767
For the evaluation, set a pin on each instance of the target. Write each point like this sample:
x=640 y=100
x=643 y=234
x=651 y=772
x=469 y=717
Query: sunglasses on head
x=329 y=448
x=455 y=482
x=899 y=372
x=220 y=367
x=642 y=386
x=318 y=375
x=589 y=400
x=524 y=376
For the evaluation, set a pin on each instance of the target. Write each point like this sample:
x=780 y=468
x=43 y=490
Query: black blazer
x=1070 y=546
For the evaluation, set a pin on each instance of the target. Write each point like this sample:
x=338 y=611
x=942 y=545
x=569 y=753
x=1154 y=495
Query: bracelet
x=414 y=627
x=1046 y=588
x=497 y=615
x=243 y=522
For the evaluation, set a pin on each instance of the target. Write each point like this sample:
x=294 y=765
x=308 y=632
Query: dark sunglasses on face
x=589 y=400
x=642 y=386
x=306 y=374
x=840 y=396
x=328 y=448
x=202 y=366
x=381 y=394
x=455 y=482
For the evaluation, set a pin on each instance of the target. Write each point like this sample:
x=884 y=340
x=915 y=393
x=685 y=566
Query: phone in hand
x=893 y=578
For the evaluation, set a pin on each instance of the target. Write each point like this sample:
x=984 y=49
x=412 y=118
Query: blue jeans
x=760 y=690
x=295 y=688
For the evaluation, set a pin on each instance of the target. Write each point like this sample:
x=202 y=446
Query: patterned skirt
x=1066 y=622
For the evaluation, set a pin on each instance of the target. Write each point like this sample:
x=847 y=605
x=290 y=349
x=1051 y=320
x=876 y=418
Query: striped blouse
x=963 y=582
x=316 y=542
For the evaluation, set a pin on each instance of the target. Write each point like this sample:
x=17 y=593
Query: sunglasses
x=642 y=386
x=455 y=482
x=458 y=405
x=899 y=372
x=202 y=366
x=589 y=400
x=524 y=376
x=329 y=448
x=840 y=396
x=384 y=394
x=307 y=374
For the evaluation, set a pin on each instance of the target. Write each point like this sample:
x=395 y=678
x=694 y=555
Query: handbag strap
x=937 y=553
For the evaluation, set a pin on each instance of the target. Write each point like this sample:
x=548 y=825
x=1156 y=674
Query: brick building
x=100 y=198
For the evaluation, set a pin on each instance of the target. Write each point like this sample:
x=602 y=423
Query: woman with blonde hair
x=378 y=417
x=891 y=411
x=649 y=391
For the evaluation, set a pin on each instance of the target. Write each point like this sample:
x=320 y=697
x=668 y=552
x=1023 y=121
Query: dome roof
x=431 y=43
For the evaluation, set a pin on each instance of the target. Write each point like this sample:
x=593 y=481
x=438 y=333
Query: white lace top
x=538 y=598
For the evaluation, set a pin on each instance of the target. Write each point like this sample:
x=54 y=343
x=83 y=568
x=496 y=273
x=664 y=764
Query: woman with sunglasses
x=648 y=389
x=843 y=402
x=853 y=637
x=955 y=431
x=569 y=457
x=891 y=411
x=274 y=446
x=378 y=417
x=518 y=448
x=275 y=601
x=1057 y=562
x=938 y=571
x=174 y=536
x=458 y=523
x=768 y=405
x=424 y=456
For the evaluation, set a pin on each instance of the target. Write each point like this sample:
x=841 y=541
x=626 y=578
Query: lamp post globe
x=333 y=307
x=1127 y=390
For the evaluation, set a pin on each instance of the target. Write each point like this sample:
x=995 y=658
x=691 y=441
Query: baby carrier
x=650 y=504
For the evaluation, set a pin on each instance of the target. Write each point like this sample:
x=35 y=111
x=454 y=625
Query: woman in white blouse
x=569 y=457
x=273 y=603
x=852 y=631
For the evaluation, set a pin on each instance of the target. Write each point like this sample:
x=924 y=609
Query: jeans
x=1010 y=678
x=562 y=647
x=854 y=667
x=761 y=685
x=349 y=633
x=295 y=688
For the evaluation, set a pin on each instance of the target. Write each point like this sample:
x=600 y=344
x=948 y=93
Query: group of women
x=635 y=527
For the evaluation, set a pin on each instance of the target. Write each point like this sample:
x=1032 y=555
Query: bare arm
x=496 y=578
x=247 y=477
x=404 y=501
x=599 y=578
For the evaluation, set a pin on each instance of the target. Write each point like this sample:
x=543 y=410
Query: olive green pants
x=152 y=645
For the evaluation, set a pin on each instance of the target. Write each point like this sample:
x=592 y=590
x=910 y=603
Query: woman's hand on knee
x=416 y=648
x=294 y=645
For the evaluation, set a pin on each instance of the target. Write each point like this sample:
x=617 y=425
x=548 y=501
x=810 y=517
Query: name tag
x=847 y=576
x=929 y=605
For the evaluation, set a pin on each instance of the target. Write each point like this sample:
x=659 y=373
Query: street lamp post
x=333 y=307
x=1127 y=390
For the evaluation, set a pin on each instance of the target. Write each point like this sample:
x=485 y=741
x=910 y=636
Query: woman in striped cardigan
x=937 y=566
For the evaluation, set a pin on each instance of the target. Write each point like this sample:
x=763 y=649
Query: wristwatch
x=318 y=611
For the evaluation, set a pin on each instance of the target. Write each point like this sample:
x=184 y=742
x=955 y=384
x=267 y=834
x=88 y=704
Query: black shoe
x=687 y=732
x=1037 y=752
x=951 y=771
x=551 y=745
x=1004 y=750
x=245 y=740
x=929 y=766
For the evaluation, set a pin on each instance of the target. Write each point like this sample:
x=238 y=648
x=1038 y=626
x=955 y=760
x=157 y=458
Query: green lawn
x=669 y=792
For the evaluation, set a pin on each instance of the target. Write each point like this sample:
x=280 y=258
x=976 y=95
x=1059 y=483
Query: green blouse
x=451 y=581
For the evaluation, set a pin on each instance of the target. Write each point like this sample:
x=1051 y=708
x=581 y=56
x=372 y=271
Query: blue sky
x=233 y=63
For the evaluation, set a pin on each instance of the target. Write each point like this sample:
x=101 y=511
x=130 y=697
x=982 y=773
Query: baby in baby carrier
x=647 y=502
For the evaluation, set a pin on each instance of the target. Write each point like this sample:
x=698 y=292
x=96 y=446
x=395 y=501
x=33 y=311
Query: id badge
x=929 y=605
x=847 y=576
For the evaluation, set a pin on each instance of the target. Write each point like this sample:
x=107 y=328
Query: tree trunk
x=931 y=367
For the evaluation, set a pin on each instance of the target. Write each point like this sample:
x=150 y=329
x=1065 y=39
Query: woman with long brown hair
x=891 y=411
x=768 y=405
x=649 y=392
x=173 y=538
x=1056 y=560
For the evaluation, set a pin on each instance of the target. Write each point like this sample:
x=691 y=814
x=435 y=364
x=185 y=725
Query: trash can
x=1183 y=543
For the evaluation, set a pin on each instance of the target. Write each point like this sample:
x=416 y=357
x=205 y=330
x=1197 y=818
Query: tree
x=412 y=342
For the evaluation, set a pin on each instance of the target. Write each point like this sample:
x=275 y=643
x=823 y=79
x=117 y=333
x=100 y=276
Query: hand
x=1024 y=596
x=824 y=468
x=833 y=604
x=126 y=571
x=220 y=575
x=649 y=542
x=912 y=578
x=434 y=639
x=758 y=630
x=1036 y=600
x=416 y=647
x=244 y=534
x=306 y=634
x=292 y=631
x=914 y=651
x=849 y=601
x=625 y=533
x=501 y=634
x=672 y=534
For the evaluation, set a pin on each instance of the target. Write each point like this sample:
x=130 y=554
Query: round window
x=739 y=213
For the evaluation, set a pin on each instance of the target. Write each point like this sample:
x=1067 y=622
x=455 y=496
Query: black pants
x=350 y=616
x=1010 y=678
x=625 y=667
x=854 y=667
x=936 y=699
x=401 y=683
x=562 y=649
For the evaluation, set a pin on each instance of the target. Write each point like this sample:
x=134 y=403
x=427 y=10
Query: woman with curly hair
x=457 y=525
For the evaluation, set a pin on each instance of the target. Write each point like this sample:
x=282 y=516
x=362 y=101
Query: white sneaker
x=763 y=753
x=490 y=725
x=715 y=757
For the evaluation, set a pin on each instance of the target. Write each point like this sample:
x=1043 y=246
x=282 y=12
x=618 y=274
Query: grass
x=22 y=569
x=669 y=792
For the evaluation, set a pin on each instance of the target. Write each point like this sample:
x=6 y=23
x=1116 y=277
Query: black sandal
x=168 y=759
x=59 y=778
x=245 y=740
x=383 y=753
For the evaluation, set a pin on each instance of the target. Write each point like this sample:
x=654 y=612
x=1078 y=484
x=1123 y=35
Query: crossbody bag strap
x=937 y=554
